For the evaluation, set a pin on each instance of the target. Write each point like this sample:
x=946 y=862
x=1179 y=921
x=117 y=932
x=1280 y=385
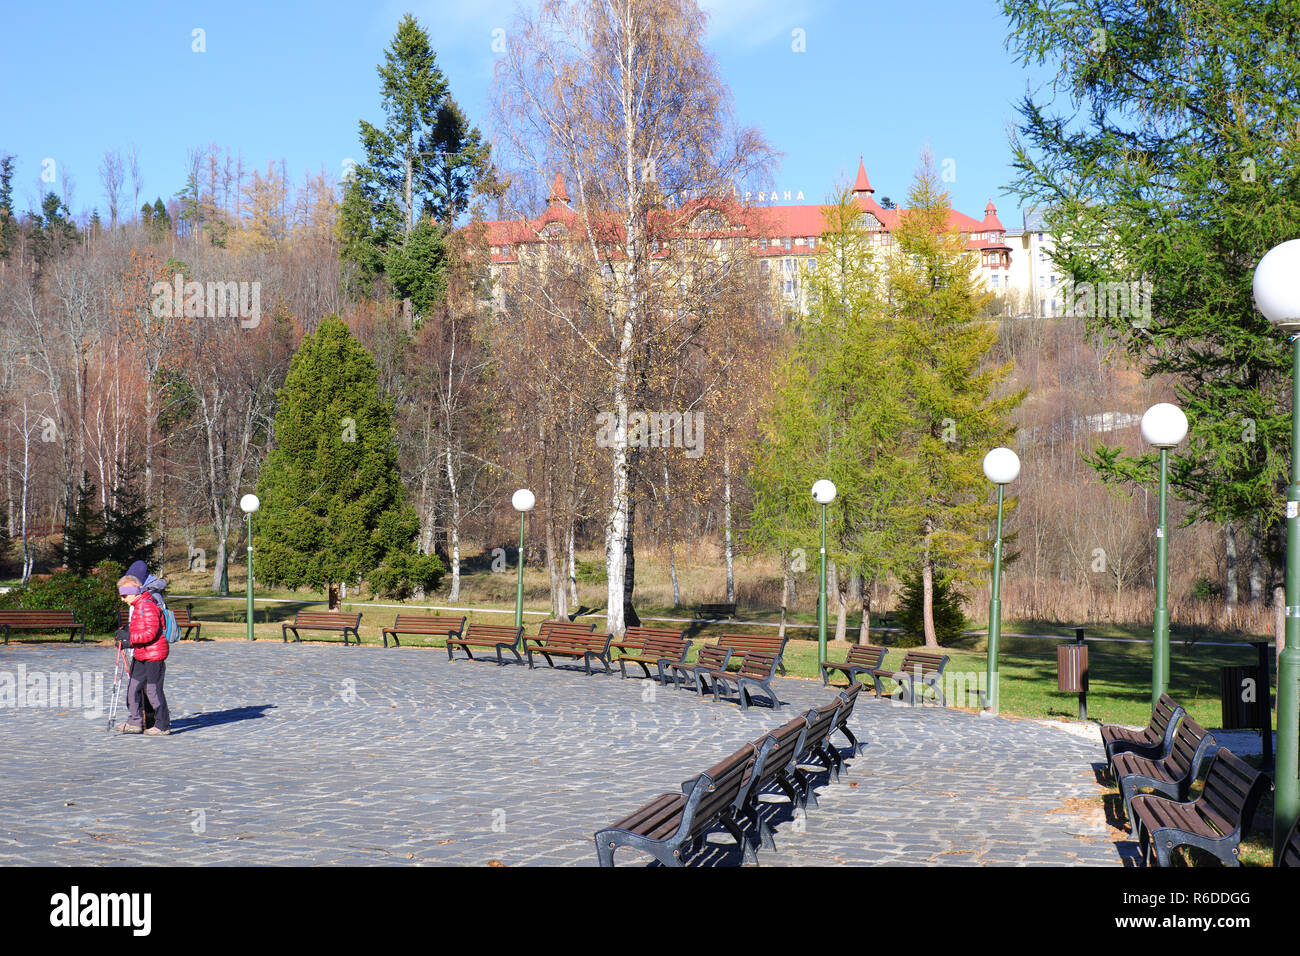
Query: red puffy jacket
x=148 y=639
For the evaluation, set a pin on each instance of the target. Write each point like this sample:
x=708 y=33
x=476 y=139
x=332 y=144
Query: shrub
x=590 y=572
x=401 y=575
x=93 y=597
x=949 y=620
x=1206 y=589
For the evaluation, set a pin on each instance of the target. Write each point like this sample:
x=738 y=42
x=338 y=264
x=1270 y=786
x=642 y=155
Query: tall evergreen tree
x=424 y=163
x=944 y=357
x=333 y=503
x=160 y=224
x=8 y=221
x=1168 y=153
x=841 y=413
x=84 y=544
x=54 y=231
x=128 y=521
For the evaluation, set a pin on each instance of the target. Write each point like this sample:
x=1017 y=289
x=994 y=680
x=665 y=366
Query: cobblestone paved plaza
x=320 y=754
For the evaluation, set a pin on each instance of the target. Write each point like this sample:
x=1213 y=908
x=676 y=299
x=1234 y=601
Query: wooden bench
x=849 y=697
x=773 y=764
x=714 y=612
x=671 y=823
x=644 y=646
x=861 y=659
x=764 y=643
x=1153 y=741
x=571 y=640
x=1213 y=822
x=918 y=667
x=821 y=724
x=322 y=621
x=428 y=624
x=1170 y=776
x=713 y=657
x=42 y=620
x=757 y=669
x=546 y=627
x=184 y=623
x=501 y=637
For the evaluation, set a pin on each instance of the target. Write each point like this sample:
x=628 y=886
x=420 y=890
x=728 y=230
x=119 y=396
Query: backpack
x=154 y=587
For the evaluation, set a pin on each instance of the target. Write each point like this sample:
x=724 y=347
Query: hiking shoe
x=155 y=732
x=129 y=729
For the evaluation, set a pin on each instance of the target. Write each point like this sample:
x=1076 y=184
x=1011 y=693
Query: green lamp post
x=249 y=504
x=823 y=493
x=523 y=502
x=1001 y=466
x=1163 y=426
x=1277 y=296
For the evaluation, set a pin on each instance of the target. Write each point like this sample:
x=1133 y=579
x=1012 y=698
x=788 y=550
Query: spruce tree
x=333 y=504
x=84 y=544
x=128 y=521
x=423 y=164
x=8 y=221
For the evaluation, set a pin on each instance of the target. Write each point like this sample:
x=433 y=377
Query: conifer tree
x=84 y=543
x=1166 y=157
x=943 y=356
x=841 y=413
x=422 y=165
x=128 y=521
x=333 y=504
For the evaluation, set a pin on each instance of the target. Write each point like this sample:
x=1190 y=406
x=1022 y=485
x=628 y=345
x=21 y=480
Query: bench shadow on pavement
x=216 y=718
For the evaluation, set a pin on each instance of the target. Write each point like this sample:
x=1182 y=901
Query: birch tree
x=622 y=96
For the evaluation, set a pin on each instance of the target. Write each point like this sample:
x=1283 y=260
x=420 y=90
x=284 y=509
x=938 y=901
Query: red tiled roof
x=758 y=222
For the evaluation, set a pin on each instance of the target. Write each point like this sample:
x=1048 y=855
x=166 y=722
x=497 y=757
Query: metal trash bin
x=1072 y=670
x=1247 y=699
x=1240 y=691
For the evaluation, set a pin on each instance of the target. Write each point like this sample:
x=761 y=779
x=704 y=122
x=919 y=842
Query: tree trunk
x=220 y=563
x=864 y=628
x=1256 y=566
x=454 y=529
x=554 y=560
x=927 y=591
x=334 y=598
x=572 y=563
x=629 y=552
x=842 y=598
x=668 y=523
x=1229 y=567
x=726 y=519
x=787 y=588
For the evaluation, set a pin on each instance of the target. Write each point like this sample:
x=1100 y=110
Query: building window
x=786 y=242
x=762 y=267
x=995 y=282
x=812 y=242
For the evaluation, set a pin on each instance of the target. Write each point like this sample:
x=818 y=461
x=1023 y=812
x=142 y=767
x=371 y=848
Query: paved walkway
x=319 y=754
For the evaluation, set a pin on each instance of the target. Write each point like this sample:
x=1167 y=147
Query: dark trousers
x=145 y=690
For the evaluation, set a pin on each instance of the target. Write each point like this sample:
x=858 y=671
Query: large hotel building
x=1014 y=264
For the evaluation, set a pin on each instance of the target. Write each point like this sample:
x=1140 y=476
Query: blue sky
x=291 y=80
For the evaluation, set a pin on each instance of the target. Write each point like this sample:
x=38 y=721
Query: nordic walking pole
x=117 y=685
